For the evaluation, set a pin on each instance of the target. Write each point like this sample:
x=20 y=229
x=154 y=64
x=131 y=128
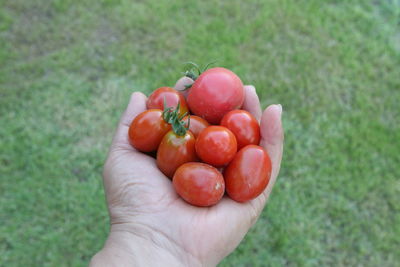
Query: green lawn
x=67 y=69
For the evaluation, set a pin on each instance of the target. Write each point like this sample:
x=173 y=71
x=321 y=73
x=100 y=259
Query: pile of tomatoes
x=205 y=143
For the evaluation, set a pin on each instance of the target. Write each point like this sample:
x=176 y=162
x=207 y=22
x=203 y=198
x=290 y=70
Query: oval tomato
x=196 y=125
x=147 y=130
x=214 y=93
x=175 y=150
x=172 y=98
x=244 y=126
x=248 y=174
x=199 y=184
x=216 y=145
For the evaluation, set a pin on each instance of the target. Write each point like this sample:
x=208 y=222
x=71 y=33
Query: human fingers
x=251 y=101
x=272 y=138
x=272 y=141
x=181 y=85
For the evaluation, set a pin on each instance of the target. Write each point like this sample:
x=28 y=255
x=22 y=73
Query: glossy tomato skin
x=199 y=184
x=214 y=93
x=175 y=150
x=248 y=174
x=244 y=126
x=172 y=98
x=147 y=130
x=216 y=145
x=197 y=124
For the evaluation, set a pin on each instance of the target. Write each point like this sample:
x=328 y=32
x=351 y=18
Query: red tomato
x=147 y=130
x=244 y=126
x=197 y=124
x=175 y=150
x=172 y=98
x=214 y=93
x=199 y=184
x=216 y=145
x=248 y=174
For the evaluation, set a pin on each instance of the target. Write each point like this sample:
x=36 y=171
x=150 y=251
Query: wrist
x=127 y=248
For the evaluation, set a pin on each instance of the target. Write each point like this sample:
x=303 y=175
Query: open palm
x=143 y=204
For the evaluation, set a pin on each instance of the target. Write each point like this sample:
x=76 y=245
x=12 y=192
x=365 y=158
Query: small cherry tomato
x=248 y=174
x=199 y=184
x=172 y=98
x=216 y=145
x=196 y=125
x=147 y=130
x=244 y=126
x=175 y=150
x=214 y=93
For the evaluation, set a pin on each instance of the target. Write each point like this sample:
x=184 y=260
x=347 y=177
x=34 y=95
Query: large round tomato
x=248 y=174
x=214 y=93
x=147 y=130
x=216 y=145
x=196 y=124
x=172 y=98
x=199 y=184
x=244 y=126
x=175 y=150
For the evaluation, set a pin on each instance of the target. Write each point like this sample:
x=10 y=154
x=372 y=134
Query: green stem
x=172 y=117
x=191 y=72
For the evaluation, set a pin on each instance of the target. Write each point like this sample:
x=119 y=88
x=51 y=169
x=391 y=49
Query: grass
x=67 y=69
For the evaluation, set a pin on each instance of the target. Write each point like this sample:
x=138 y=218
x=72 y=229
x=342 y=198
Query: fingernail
x=251 y=87
x=279 y=106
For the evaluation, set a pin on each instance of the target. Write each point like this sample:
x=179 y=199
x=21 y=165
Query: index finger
x=181 y=85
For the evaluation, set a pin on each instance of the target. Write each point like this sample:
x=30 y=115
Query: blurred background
x=68 y=67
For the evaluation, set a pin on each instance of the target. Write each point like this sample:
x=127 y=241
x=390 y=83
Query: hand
x=152 y=225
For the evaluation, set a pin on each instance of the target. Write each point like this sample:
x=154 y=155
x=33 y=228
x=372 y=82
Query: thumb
x=137 y=104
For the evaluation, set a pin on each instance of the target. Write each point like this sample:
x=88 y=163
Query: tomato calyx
x=171 y=116
x=191 y=73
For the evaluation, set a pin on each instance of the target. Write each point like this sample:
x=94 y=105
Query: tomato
x=244 y=126
x=214 y=93
x=175 y=150
x=196 y=125
x=216 y=145
x=199 y=184
x=248 y=174
x=147 y=130
x=172 y=98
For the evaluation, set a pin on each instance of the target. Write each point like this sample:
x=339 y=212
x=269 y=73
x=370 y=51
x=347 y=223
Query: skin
x=244 y=126
x=214 y=93
x=197 y=124
x=216 y=145
x=248 y=173
x=151 y=225
x=199 y=184
x=175 y=150
x=147 y=130
x=172 y=98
